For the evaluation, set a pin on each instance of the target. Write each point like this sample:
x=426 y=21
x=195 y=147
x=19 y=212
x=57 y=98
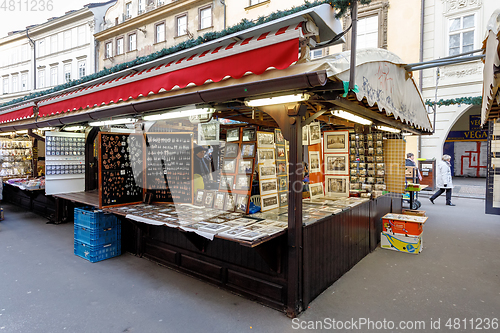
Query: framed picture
x=248 y=150
x=316 y=190
x=279 y=138
x=269 y=202
x=314 y=162
x=282 y=184
x=229 y=166
x=268 y=186
x=233 y=134
x=305 y=135
x=249 y=134
x=283 y=197
x=337 y=186
x=198 y=200
x=314 y=133
x=219 y=200
x=226 y=183
x=232 y=150
x=281 y=166
x=336 y=141
x=209 y=199
x=267 y=171
x=208 y=133
x=280 y=153
x=230 y=202
x=243 y=182
x=337 y=164
x=245 y=167
x=242 y=203
x=265 y=139
x=265 y=155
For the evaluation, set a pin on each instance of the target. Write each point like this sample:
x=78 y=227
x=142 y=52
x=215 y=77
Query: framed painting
x=336 y=141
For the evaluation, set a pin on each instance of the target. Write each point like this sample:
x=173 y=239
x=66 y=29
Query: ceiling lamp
x=388 y=129
x=113 y=122
x=178 y=114
x=351 y=117
x=74 y=128
x=285 y=99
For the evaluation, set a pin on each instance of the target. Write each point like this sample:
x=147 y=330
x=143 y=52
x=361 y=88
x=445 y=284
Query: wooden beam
x=253 y=121
x=335 y=121
x=36 y=136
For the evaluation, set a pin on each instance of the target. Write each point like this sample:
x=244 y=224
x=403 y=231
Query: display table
x=29 y=197
x=65 y=202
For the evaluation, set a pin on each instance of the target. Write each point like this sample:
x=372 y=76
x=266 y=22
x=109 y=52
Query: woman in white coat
x=444 y=181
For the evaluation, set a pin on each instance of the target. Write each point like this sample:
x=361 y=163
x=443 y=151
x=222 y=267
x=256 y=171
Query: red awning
x=277 y=49
x=19 y=114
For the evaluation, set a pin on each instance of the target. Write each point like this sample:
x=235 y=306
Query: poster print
x=267 y=171
x=337 y=164
x=249 y=134
x=219 y=200
x=337 y=186
x=314 y=162
x=305 y=135
x=266 y=155
x=314 y=133
x=316 y=190
x=269 y=202
x=265 y=139
x=208 y=133
x=268 y=186
x=242 y=203
x=233 y=134
x=336 y=141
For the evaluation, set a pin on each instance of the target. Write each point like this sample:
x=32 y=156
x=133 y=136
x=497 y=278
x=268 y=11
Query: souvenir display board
x=117 y=184
x=270 y=156
x=15 y=157
x=169 y=167
x=281 y=168
x=64 y=162
x=336 y=163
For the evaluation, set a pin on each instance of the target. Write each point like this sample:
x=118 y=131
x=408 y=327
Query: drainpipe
x=96 y=56
x=421 y=77
x=34 y=58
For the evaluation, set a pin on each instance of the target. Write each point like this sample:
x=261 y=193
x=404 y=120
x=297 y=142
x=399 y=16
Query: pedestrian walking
x=444 y=180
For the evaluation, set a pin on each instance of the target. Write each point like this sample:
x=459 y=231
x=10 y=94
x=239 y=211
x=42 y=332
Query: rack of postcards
x=15 y=157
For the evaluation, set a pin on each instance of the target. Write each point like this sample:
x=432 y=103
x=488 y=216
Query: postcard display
x=64 y=162
x=315 y=160
x=15 y=157
x=367 y=172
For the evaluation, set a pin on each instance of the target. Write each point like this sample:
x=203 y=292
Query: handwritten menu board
x=119 y=182
x=169 y=166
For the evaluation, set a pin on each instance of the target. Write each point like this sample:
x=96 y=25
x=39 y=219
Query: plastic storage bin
x=91 y=219
x=97 y=252
x=98 y=235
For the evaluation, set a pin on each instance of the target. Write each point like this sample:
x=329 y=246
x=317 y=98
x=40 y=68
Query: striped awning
x=277 y=49
x=19 y=112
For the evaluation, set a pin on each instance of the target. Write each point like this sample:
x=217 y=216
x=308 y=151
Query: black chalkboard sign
x=120 y=169
x=169 y=167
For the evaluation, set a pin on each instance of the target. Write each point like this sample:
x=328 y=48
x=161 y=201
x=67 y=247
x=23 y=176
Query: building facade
x=136 y=28
x=51 y=53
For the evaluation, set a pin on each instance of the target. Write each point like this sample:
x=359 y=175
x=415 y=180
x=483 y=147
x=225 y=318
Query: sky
x=23 y=13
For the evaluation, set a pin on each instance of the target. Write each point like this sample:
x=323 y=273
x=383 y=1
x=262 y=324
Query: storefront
x=208 y=173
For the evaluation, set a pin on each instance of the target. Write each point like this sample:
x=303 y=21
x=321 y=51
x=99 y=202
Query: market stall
x=231 y=201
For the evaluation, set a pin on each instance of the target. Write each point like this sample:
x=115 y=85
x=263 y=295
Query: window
x=367 y=35
x=141 y=6
x=14 y=83
x=67 y=39
x=24 y=52
x=81 y=68
x=24 y=81
x=53 y=76
x=119 y=46
x=132 y=42
x=53 y=44
x=128 y=10
x=181 y=25
x=5 y=85
x=205 y=17
x=161 y=2
x=41 y=78
x=160 y=33
x=461 y=34
x=67 y=72
x=254 y=2
x=82 y=37
x=108 y=53
x=41 y=47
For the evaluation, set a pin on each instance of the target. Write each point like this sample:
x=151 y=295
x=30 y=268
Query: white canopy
x=491 y=81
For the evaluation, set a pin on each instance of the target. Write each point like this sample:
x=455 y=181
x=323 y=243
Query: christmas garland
x=341 y=5
x=462 y=100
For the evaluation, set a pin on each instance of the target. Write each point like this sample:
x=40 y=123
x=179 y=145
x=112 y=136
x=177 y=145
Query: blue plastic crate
x=98 y=235
x=98 y=252
x=91 y=219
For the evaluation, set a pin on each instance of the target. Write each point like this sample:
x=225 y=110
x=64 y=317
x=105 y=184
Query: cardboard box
x=400 y=243
x=405 y=225
x=413 y=212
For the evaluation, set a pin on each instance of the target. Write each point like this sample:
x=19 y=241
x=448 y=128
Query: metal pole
x=354 y=18
x=34 y=59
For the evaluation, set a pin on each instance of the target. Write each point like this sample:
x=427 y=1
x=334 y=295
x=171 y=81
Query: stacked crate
x=97 y=235
x=403 y=232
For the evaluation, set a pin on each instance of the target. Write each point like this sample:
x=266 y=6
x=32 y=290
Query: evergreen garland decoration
x=341 y=5
x=478 y=100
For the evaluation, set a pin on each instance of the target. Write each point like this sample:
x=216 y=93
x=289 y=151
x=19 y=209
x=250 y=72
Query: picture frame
x=208 y=200
x=316 y=190
x=242 y=203
x=268 y=186
x=281 y=167
x=265 y=139
x=305 y=135
x=337 y=164
x=229 y=202
x=232 y=134
x=232 y=150
x=265 y=155
x=314 y=162
x=226 y=183
x=336 y=141
x=198 y=199
x=243 y=182
x=314 y=133
x=220 y=198
x=209 y=133
x=283 y=198
x=280 y=153
x=282 y=183
x=337 y=186
x=269 y=202
x=249 y=134
x=248 y=150
x=245 y=167
x=279 y=138
x=267 y=171
x=229 y=166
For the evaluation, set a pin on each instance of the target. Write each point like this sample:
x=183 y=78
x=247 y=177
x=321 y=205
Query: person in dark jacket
x=410 y=161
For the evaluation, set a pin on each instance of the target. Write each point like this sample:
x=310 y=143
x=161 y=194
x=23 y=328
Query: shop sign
x=475 y=132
